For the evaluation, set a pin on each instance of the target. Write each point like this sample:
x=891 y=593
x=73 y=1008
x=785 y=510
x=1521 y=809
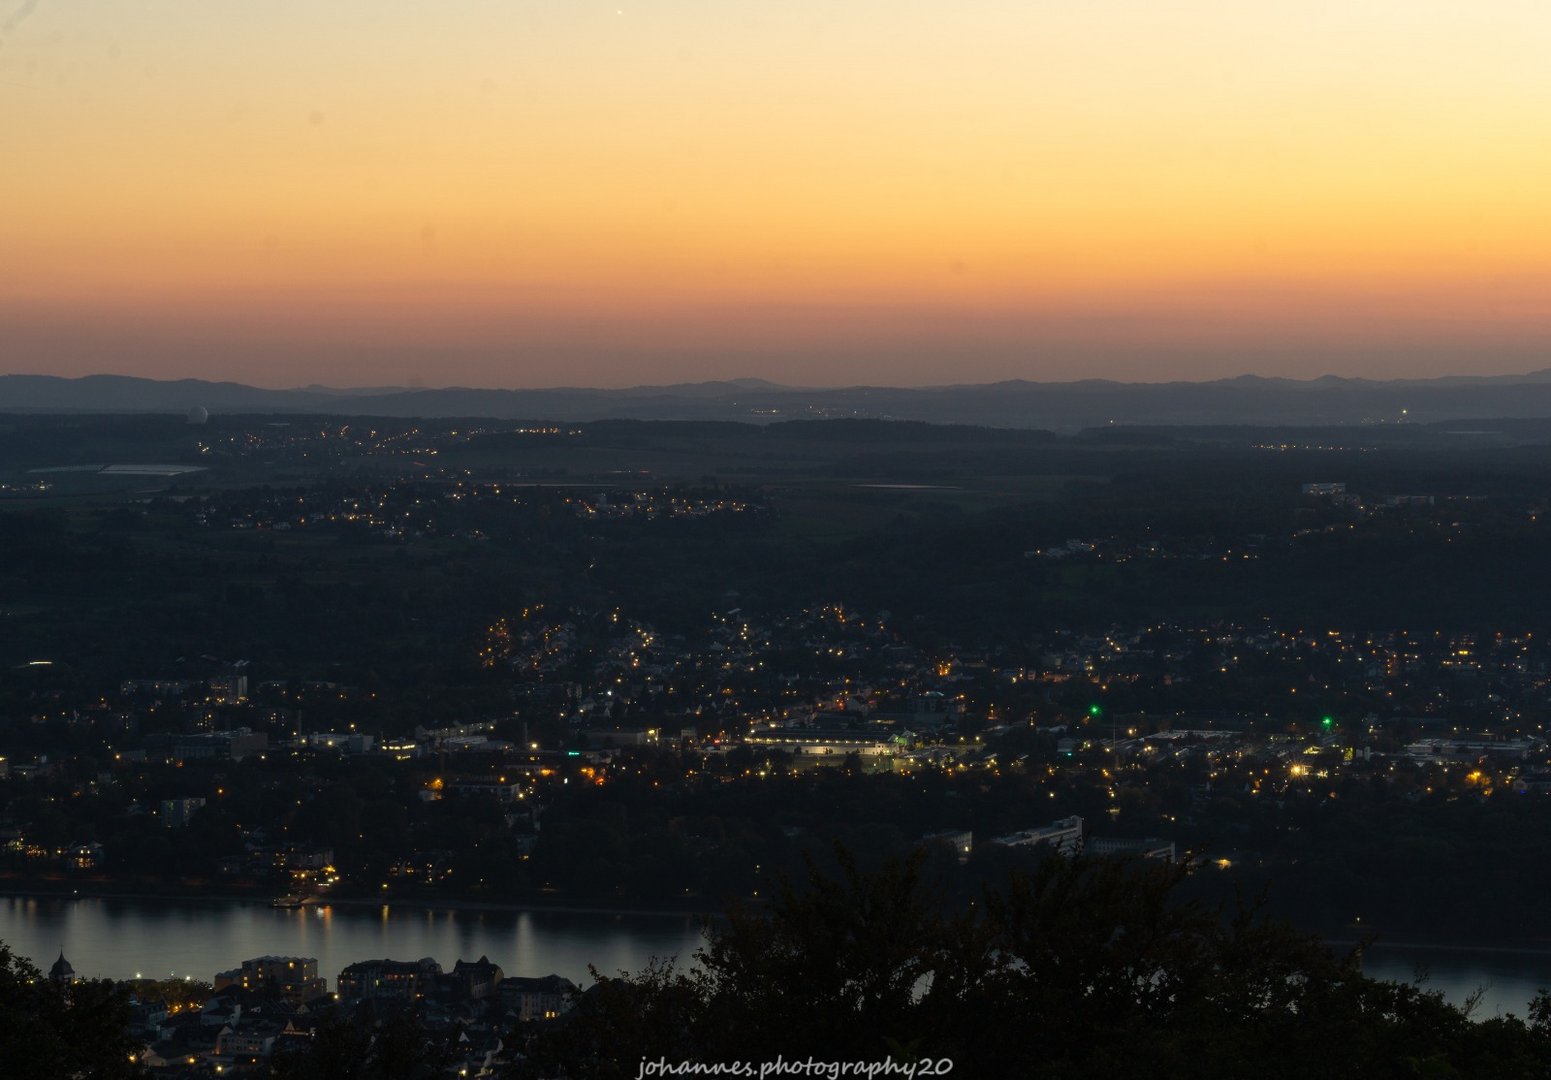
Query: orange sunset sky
x=549 y=192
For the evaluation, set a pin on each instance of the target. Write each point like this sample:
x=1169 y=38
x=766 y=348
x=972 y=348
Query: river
x=1508 y=978
x=121 y=938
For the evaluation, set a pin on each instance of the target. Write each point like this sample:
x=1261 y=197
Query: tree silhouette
x=1078 y=968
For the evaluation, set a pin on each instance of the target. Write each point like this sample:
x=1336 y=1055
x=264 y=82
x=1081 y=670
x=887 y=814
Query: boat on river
x=292 y=901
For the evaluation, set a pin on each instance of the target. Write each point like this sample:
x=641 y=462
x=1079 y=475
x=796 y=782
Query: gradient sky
x=547 y=192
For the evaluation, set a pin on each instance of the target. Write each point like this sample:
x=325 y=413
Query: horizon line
x=756 y=384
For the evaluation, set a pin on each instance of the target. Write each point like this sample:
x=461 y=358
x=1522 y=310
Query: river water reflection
x=123 y=938
x=1508 y=979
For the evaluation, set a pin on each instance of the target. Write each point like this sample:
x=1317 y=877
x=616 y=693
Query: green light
x=1329 y=721
x=1094 y=710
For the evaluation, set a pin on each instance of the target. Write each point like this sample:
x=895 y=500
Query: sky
x=526 y=193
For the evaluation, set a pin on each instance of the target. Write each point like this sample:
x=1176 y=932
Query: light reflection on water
x=1509 y=979
x=117 y=938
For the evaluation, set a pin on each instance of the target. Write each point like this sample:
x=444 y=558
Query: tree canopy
x=48 y=1029
x=1078 y=968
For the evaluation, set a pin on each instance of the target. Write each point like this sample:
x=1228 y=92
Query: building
x=476 y=978
x=229 y=688
x=614 y=738
x=294 y=978
x=1146 y=849
x=307 y=869
x=247 y=1042
x=147 y=1017
x=390 y=980
x=154 y=688
x=295 y=857
x=484 y=789
x=963 y=843
x=1065 y=835
x=220 y=1010
x=349 y=742
x=231 y=745
x=401 y=749
x=1468 y=749
x=537 y=999
x=61 y=973
x=177 y=813
x=83 y=856
x=812 y=741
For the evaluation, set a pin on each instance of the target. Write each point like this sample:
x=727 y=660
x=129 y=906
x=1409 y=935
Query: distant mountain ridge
x=1067 y=406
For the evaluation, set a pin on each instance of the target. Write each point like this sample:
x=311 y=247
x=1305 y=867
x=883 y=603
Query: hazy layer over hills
x=1055 y=406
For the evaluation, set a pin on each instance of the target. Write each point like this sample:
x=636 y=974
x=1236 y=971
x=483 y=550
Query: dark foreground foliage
x=50 y=1030
x=362 y=1046
x=1082 y=968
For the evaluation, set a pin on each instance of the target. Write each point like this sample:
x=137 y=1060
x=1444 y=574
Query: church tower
x=62 y=973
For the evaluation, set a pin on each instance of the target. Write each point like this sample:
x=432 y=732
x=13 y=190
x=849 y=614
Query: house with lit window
x=293 y=978
x=390 y=980
x=537 y=999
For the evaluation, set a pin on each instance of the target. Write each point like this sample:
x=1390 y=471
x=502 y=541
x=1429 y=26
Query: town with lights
x=340 y=666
